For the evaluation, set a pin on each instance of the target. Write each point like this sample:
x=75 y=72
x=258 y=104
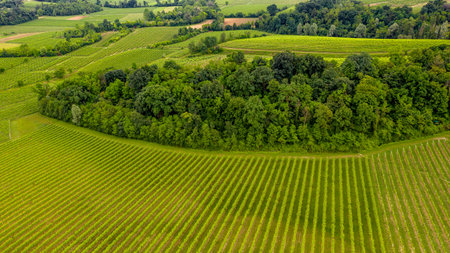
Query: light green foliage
x=252 y=6
x=121 y=54
x=48 y=39
x=4 y=130
x=328 y=47
x=17 y=102
x=168 y=199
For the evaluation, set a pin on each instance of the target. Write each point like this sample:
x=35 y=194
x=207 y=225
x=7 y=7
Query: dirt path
x=200 y=25
x=376 y=4
x=238 y=21
x=419 y=5
x=77 y=18
x=18 y=36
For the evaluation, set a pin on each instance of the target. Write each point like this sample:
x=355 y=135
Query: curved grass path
x=67 y=189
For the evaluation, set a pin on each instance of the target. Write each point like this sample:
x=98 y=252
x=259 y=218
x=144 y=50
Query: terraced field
x=65 y=188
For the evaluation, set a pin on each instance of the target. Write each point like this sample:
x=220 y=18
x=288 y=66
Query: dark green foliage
x=207 y=45
x=293 y=103
x=13 y=12
x=356 y=66
x=284 y=65
x=355 y=19
x=236 y=57
x=112 y=75
x=138 y=80
x=189 y=12
x=272 y=9
x=67 y=8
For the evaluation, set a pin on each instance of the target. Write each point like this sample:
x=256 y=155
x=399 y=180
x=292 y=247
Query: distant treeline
x=355 y=19
x=191 y=12
x=290 y=102
x=67 y=8
x=13 y=12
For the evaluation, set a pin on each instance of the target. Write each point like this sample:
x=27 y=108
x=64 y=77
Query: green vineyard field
x=328 y=46
x=66 y=189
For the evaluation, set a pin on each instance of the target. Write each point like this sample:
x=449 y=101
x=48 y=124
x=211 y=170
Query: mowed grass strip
x=65 y=189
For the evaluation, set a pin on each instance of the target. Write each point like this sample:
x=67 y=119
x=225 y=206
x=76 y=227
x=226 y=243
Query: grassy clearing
x=326 y=46
x=252 y=6
x=168 y=199
x=49 y=39
x=8 y=45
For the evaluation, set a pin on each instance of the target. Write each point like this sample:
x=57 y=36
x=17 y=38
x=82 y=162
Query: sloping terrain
x=64 y=188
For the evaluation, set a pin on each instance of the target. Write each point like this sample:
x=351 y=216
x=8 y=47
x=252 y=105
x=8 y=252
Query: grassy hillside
x=327 y=46
x=84 y=191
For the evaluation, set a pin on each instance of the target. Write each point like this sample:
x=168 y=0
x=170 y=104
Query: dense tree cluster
x=207 y=45
x=190 y=12
x=67 y=8
x=354 y=19
x=13 y=12
x=124 y=4
x=290 y=103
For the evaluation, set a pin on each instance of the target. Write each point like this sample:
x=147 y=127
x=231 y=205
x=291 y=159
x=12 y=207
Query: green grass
x=49 y=39
x=8 y=45
x=140 y=56
x=4 y=130
x=252 y=6
x=326 y=46
x=85 y=191
x=17 y=102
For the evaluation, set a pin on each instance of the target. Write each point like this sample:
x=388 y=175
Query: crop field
x=48 y=39
x=8 y=45
x=84 y=191
x=252 y=6
x=328 y=46
x=17 y=102
x=4 y=130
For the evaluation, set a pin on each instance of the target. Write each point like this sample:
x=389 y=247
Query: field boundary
x=283 y=154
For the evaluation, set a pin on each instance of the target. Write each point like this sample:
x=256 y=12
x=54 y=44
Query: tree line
x=190 y=12
x=67 y=8
x=13 y=12
x=354 y=19
x=287 y=103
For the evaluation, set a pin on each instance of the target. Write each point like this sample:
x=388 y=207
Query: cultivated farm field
x=328 y=46
x=85 y=191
